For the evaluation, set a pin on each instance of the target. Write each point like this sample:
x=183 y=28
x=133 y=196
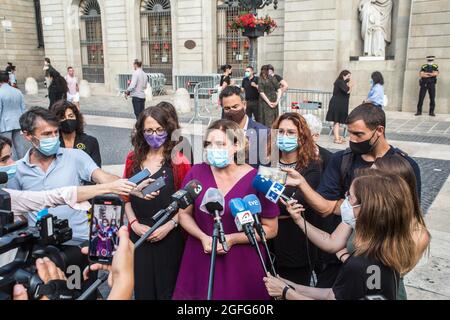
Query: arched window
x=91 y=41
x=232 y=47
x=156 y=37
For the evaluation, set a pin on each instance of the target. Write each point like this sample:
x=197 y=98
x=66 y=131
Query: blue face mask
x=218 y=158
x=10 y=170
x=371 y=82
x=287 y=144
x=49 y=146
x=247 y=74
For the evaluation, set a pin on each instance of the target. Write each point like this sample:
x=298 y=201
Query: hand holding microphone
x=295 y=209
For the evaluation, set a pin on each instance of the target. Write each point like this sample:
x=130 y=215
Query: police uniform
x=428 y=84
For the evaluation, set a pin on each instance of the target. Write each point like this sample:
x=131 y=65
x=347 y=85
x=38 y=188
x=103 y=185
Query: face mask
x=155 y=141
x=371 y=82
x=49 y=146
x=230 y=74
x=363 y=147
x=347 y=214
x=69 y=126
x=218 y=158
x=235 y=115
x=10 y=170
x=248 y=74
x=287 y=144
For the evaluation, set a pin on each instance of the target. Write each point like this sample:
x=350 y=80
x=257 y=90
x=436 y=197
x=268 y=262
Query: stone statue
x=376 y=25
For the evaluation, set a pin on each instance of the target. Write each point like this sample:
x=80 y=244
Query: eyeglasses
x=159 y=131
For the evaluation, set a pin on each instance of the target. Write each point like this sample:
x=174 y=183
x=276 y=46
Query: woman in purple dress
x=238 y=274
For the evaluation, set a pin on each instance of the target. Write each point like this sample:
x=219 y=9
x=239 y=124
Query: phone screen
x=106 y=221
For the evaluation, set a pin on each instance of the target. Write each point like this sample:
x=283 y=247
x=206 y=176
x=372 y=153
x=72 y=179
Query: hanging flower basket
x=252 y=26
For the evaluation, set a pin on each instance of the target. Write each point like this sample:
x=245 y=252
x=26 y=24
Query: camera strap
x=56 y=290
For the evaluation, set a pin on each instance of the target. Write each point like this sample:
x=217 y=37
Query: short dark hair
x=4 y=76
x=28 y=119
x=270 y=67
x=47 y=60
x=250 y=67
x=68 y=68
x=226 y=67
x=377 y=78
x=59 y=110
x=372 y=116
x=3 y=142
x=138 y=63
x=230 y=91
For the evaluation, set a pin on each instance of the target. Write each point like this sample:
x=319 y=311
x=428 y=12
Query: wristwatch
x=174 y=222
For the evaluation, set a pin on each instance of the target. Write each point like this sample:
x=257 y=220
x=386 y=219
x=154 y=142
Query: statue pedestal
x=367 y=58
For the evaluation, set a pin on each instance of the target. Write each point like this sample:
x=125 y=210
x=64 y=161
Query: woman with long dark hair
x=269 y=97
x=338 y=108
x=71 y=132
x=158 y=260
x=376 y=93
x=294 y=255
x=58 y=88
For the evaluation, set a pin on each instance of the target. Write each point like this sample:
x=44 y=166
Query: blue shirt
x=12 y=106
x=376 y=95
x=331 y=185
x=69 y=168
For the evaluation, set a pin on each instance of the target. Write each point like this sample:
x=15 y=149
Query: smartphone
x=107 y=218
x=139 y=177
x=156 y=185
x=274 y=174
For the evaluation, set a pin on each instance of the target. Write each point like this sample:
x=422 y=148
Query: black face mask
x=69 y=126
x=235 y=116
x=364 y=147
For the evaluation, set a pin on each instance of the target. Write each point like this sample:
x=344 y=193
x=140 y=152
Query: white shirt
x=23 y=202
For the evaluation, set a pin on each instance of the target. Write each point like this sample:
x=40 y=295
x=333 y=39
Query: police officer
x=428 y=79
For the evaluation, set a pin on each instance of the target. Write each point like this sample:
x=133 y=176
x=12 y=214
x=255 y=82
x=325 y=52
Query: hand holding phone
x=155 y=186
x=139 y=177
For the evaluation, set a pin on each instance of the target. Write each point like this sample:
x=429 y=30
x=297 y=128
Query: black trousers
x=253 y=109
x=138 y=106
x=431 y=88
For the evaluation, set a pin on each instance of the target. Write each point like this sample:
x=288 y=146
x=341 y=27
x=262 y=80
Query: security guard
x=428 y=79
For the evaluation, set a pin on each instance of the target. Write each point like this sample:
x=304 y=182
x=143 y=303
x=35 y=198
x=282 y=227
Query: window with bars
x=232 y=47
x=156 y=37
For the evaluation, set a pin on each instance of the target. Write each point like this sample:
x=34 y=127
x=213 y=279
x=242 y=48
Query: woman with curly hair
x=158 y=260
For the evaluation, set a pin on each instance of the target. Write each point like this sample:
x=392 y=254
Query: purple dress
x=239 y=274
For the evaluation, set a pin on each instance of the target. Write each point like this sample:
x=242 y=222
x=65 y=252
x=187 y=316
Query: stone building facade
x=314 y=41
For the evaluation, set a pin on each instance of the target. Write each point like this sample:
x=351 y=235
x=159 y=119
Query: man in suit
x=234 y=106
x=12 y=106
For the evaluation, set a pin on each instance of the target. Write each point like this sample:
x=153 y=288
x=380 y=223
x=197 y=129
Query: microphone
x=254 y=206
x=3 y=177
x=213 y=203
x=243 y=219
x=182 y=199
x=273 y=191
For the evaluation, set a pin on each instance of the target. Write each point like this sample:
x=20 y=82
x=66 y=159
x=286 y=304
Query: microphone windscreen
x=3 y=177
x=213 y=200
x=261 y=184
x=253 y=204
x=236 y=206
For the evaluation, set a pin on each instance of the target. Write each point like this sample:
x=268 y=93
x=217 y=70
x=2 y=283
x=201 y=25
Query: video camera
x=51 y=237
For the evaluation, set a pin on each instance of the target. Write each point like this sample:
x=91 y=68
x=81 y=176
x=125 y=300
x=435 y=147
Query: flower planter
x=255 y=32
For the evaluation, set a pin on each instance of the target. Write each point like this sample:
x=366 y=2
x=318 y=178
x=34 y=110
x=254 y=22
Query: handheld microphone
x=243 y=219
x=254 y=206
x=273 y=191
x=182 y=199
x=213 y=203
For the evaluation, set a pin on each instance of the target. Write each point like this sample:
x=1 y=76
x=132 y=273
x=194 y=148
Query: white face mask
x=347 y=213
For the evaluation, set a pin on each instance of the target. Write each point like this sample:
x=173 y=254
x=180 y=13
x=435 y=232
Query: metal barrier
x=156 y=80
x=190 y=81
x=309 y=101
x=206 y=101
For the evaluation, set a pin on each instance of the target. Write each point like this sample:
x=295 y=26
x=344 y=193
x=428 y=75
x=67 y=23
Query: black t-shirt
x=226 y=79
x=332 y=187
x=88 y=144
x=251 y=93
x=278 y=77
x=362 y=276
